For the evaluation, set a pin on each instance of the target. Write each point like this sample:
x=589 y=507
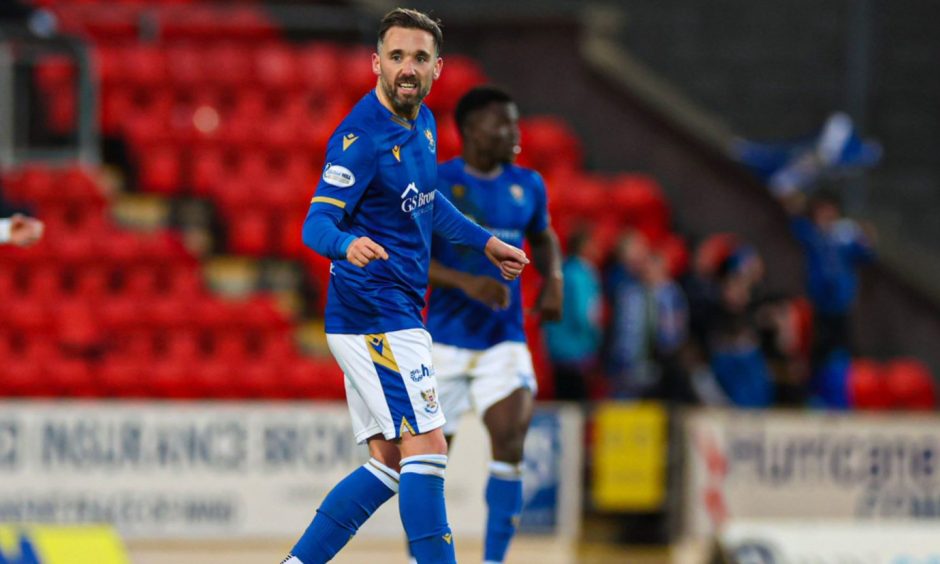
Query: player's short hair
x=477 y=99
x=411 y=19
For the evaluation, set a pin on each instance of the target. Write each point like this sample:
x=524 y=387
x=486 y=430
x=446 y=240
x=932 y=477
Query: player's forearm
x=455 y=227
x=440 y=276
x=320 y=233
x=546 y=254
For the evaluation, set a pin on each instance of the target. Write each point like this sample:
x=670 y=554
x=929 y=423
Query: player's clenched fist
x=363 y=250
x=509 y=259
x=25 y=231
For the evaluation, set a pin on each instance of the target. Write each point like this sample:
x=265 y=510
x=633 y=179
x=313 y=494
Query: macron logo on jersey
x=338 y=176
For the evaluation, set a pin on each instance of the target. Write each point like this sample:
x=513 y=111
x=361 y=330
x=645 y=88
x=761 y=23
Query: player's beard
x=405 y=107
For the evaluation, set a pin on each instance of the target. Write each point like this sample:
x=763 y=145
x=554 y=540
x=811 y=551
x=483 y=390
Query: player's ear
x=438 y=65
x=376 y=68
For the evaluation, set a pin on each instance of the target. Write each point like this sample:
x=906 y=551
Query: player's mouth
x=408 y=87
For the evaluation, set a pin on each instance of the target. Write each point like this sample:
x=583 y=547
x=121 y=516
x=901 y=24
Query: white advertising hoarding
x=800 y=465
x=218 y=470
x=828 y=542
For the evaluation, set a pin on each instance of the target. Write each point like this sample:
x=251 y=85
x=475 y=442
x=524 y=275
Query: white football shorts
x=473 y=378
x=390 y=383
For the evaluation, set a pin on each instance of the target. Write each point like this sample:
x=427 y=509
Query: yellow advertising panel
x=630 y=450
x=41 y=544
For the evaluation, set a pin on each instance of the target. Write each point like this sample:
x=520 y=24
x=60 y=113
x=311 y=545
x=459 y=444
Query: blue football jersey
x=381 y=171
x=508 y=206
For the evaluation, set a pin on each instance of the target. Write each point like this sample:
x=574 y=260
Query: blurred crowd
x=714 y=335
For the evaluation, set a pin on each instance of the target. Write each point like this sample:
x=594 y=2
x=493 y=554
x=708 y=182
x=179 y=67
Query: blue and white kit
x=379 y=182
x=481 y=354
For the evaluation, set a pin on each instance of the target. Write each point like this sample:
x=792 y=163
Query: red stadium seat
x=208 y=170
x=186 y=68
x=144 y=65
x=449 y=144
x=71 y=377
x=184 y=346
x=276 y=67
x=674 y=250
x=214 y=379
x=867 y=387
x=357 y=76
x=260 y=380
x=249 y=232
x=171 y=379
x=548 y=143
x=77 y=325
x=29 y=316
x=318 y=65
x=161 y=169
x=462 y=74
x=124 y=377
x=910 y=385
x=22 y=378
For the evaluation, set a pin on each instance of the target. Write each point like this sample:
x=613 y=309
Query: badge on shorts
x=430 y=400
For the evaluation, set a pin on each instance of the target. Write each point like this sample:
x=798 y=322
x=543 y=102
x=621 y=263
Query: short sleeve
x=350 y=166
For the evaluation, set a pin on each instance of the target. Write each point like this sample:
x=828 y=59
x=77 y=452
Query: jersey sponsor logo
x=419 y=374
x=338 y=176
x=396 y=150
x=432 y=146
x=412 y=199
x=349 y=139
x=517 y=193
x=430 y=400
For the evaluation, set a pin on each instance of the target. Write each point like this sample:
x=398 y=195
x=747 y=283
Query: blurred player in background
x=480 y=351
x=20 y=230
x=373 y=214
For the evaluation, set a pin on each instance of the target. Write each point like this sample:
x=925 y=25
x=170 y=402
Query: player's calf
x=504 y=501
x=350 y=503
x=423 y=512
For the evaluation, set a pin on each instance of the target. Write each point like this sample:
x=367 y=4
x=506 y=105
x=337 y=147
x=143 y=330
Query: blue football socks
x=504 y=500
x=423 y=513
x=344 y=510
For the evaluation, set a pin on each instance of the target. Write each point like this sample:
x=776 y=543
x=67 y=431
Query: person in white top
x=20 y=230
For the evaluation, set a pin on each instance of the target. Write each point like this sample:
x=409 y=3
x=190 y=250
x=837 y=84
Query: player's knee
x=508 y=446
x=432 y=442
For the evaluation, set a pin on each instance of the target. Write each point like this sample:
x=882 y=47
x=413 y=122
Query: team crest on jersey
x=458 y=190
x=517 y=193
x=338 y=176
x=432 y=146
x=430 y=400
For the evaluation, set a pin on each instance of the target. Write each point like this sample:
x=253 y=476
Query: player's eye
x=422 y=59
x=396 y=58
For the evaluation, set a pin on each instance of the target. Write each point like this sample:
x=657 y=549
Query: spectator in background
x=573 y=342
x=625 y=335
x=733 y=340
x=834 y=247
x=649 y=323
